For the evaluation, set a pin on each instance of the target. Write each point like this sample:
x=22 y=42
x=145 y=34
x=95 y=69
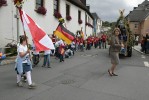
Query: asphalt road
x=82 y=77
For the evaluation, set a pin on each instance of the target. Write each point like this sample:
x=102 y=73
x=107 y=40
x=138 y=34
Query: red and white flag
x=41 y=40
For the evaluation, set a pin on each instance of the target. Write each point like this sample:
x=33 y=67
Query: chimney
x=134 y=7
x=83 y=1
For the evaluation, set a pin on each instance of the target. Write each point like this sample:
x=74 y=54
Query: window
x=136 y=26
x=79 y=15
x=67 y=10
x=56 y=6
x=39 y=3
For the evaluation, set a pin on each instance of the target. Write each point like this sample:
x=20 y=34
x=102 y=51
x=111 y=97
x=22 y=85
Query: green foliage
x=130 y=36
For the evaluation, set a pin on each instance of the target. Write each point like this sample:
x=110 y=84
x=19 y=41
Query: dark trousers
x=35 y=59
x=99 y=44
x=88 y=47
x=61 y=57
x=81 y=47
x=104 y=44
x=46 y=60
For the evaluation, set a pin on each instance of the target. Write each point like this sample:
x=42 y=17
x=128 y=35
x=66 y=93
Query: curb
x=140 y=51
x=6 y=62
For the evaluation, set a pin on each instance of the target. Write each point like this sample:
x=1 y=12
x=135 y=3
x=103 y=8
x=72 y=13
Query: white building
x=48 y=22
x=97 y=24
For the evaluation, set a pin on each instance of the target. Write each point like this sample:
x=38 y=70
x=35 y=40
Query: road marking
x=146 y=63
x=142 y=56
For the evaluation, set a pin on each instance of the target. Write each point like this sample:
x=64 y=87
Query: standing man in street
x=104 y=38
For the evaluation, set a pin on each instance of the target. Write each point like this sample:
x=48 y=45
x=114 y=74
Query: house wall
x=133 y=29
x=8 y=25
x=145 y=26
x=89 y=30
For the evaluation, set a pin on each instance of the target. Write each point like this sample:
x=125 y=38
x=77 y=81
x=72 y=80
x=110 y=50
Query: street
x=82 y=77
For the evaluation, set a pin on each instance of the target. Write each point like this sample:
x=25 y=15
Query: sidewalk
x=8 y=60
x=138 y=48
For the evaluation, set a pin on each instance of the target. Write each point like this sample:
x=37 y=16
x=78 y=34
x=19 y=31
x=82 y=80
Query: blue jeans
x=46 y=60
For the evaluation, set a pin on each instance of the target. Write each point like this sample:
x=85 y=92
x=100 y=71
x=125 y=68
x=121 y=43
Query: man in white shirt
x=47 y=58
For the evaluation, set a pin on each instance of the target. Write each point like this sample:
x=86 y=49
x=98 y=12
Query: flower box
x=15 y=1
x=3 y=3
x=57 y=15
x=80 y=21
x=68 y=18
x=42 y=10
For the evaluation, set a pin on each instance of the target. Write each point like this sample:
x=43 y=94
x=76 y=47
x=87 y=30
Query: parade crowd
x=145 y=44
x=62 y=51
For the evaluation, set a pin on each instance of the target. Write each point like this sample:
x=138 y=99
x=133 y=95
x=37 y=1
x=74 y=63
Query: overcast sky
x=108 y=10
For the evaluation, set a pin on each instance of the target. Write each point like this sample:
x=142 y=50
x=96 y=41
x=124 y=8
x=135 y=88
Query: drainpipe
x=85 y=24
x=17 y=16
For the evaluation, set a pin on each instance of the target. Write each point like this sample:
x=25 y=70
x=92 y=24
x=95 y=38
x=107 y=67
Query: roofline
x=84 y=8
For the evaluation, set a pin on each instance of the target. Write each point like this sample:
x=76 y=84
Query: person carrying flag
x=23 y=63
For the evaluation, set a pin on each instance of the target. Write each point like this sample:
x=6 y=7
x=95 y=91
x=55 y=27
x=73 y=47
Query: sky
x=108 y=10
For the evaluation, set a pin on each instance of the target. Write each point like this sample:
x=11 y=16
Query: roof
x=139 y=13
x=95 y=16
x=81 y=5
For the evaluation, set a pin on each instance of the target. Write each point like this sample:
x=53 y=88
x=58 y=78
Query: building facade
x=73 y=11
x=97 y=24
x=139 y=19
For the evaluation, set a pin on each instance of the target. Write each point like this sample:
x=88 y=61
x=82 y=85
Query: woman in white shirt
x=23 y=63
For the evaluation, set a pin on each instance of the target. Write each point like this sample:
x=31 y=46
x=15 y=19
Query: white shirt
x=47 y=52
x=57 y=44
x=24 y=50
x=34 y=50
x=137 y=38
x=73 y=44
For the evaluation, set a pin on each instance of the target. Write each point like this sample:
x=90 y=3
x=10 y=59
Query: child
x=61 y=52
x=2 y=57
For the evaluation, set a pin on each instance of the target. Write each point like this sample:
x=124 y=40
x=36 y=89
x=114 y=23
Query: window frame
x=136 y=26
x=79 y=15
x=67 y=10
x=41 y=4
x=56 y=6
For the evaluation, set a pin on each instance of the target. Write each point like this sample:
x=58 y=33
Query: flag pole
x=23 y=28
x=19 y=8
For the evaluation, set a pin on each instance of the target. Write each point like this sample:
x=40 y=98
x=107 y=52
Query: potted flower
x=3 y=3
x=68 y=17
x=80 y=21
x=42 y=10
x=57 y=15
x=18 y=3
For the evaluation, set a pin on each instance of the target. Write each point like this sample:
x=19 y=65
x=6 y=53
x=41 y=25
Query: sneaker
x=19 y=84
x=32 y=86
x=49 y=66
x=42 y=66
x=24 y=79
